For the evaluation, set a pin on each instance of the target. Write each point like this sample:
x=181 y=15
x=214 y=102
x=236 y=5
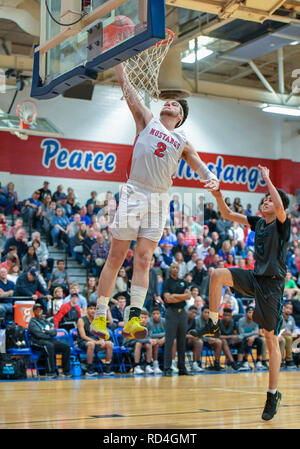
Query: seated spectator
x=249 y=334
x=230 y=339
x=3 y=239
x=194 y=296
x=72 y=201
x=6 y=290
x=171 y=237
x=68 y=314
x=33 y=210
x=230 y=262
x=12 y=194
x=190 y=249
x=6 y=201
x=56 y=302
x=175 y=208
x=60 y=227
x=66 y=207
x=28 y=284
x=214 y=343
x=99 y=253
x=237 y=206
x=74 y=288
x=41 y=333
x=194 y=344
x=192 y=262
x=229 y=302
x=241 y=264
x=83 y=216
x=44 y=191
x=13 y=229
x=210 y=258
x=89 y=288
x=249 y=261
x=203 y=248
x=121 y=284
x=157 y=335
x=48 y=213
x=46 y=263
x=118 y=311
x=87 y=244
x=142 y=344
x=92 y=199
x=30 y=260
x=57 y=194
x=180 y=246
x=13 y=273
x=290 y=286
x=210 y=217
x=92 y=344
x=74 y=228
x=19 y=241
x=77 y=250
x=250 y=241
x=288 y=333
x=10 y=260
x=59 y=278
x=215 y=242
x=189 y=237
x=166 y=258
x=226 y=250
x=181 y=263
x=189 y=280
x=236 y=232
x=199 y=273
x=90 y=211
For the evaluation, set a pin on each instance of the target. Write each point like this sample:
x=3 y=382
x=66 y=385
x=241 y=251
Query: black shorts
x=268 y=294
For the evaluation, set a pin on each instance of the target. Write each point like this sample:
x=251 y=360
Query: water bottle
x=76 y=368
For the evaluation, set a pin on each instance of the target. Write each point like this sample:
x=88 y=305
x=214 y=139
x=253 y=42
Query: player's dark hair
x=193 y=308
x=185 y=108
x=204 y=308
x=284 y=198
x=227 y=310
x=155 y=309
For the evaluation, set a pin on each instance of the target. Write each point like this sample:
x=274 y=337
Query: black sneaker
x=290 y=364
x=168 y=373
x=107 y=371
x=51 y=375
x=68 y=375
x=184 y=372
x=91 y=372
x=272 y=404
x=210 y=330
x=235 y=365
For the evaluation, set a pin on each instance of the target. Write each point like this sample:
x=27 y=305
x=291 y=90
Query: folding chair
x=121 y=351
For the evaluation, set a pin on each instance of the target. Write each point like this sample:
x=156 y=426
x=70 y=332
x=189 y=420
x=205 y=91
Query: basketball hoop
x=27 y=112
x=142 y=70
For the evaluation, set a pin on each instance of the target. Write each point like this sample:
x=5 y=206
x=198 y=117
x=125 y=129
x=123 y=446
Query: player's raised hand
x=211 y=184
x=265 y=172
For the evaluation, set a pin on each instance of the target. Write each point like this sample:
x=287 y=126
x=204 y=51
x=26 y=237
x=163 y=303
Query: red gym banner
x=67 y=158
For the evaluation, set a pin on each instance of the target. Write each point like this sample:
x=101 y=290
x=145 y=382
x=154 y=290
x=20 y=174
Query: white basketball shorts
x=141 y=213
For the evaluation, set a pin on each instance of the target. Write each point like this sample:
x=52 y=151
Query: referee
x=175 y=293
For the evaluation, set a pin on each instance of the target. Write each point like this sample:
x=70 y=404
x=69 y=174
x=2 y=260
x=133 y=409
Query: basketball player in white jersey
x=144 y=202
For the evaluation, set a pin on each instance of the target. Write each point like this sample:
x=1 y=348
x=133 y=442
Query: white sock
x=214 y=316
x=272 y=391
x=137 y=296
x=101 y=308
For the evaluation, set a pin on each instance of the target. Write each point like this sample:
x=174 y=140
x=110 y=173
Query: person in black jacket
x=28 y=284
x=41 y=334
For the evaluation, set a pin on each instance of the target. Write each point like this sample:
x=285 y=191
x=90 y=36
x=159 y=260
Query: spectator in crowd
x=226 y=249
x=13 y=273
x=248 y=210
x=230 y=261
x=166 y=258
x=180 y=246
x=89 y=288
x=74 y=228
x=3 y=239
x=210 y=217
x=92 y=199
x=222 y=227
x=6 y=291
x=46 y=262
x=44 y=191
x=60 y=227
x=237 y=206
x=153 y=298
x=181 y=263
x=87 y=244
x=210 y=258
x=83 y=216
x=78 y=242
x=189 y=237
x=57 y=194
x=142 y=344
x=290 y=286
x=175 y=294
x=249 y=335
x=48 y=214
x=68 y=314
x=59 y=278
x=230 y=339
x=204 y=289
x=214 y=343
x=13 y=229
x=3 y=222
x=118 y=311
x=190 y=265
x=28 y=284
x=250 y=241
x=99 y=252
x=73 y=202
x=175 y=208
x=194 y=344
x=171 y=237
x=92 y=344
x=199 y=273
x=6 y=202
x=288 y=333
x=249 y=261
x=121 y=285
x=157 y=336
x=228 y=301
x=19 y=241
x=128 y=262
x=74 y=288
x=30 y=259
x=13 y=197
x=215 y=242
x=41 y=333
x=190 y=249
x=66 y=207
x=194 y=297
x=196 y=227
x=56 y=302
x=33 y=210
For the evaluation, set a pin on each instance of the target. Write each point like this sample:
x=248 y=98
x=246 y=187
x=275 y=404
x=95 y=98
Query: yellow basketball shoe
x=133 y=329
x=98 y=327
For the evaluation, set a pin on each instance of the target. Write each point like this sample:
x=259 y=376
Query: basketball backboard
x=80 y=38
x=40 y=127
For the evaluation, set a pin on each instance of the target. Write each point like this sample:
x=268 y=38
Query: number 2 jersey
x=155 y=156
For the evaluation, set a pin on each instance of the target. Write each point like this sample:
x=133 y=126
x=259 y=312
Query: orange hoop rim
x=34 y=115
x=168 y=39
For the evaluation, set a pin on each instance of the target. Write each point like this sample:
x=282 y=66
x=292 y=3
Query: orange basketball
x=122 y=28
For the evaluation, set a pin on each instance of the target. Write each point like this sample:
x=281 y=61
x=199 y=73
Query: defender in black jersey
x=265 y=282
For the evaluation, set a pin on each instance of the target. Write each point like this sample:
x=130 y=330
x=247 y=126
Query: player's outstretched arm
x=227 y=213
x=279 y=209
x=193 y=160
x=141 y=114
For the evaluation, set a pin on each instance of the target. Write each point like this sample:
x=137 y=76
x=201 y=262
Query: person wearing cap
x=68 y=314
x=63 y=203
x=33 y=210
x=28 y=284
x=44 y=190
x=41 y=334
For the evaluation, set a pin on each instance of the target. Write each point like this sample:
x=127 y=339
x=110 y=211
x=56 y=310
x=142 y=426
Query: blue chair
x=120 y=350
x=81 y=353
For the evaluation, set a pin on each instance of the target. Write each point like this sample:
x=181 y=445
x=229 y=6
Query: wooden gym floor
x=214 y=401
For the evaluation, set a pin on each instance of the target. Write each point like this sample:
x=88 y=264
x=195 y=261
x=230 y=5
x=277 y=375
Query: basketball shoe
x=210 y=330
x=271 y=406
x=133 y=329
x=98 y=327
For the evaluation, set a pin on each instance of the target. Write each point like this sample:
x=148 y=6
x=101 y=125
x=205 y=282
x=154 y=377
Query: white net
x=27 y=111
x=142 y=70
